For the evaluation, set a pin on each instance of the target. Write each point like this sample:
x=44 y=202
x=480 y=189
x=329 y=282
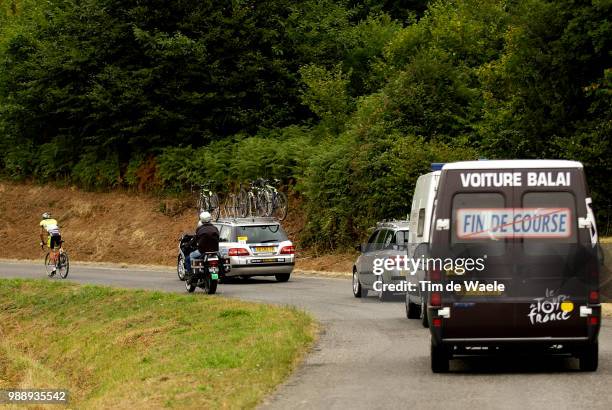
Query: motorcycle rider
x=206 y=239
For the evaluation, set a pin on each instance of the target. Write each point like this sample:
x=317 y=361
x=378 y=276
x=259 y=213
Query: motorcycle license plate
x=214 y=276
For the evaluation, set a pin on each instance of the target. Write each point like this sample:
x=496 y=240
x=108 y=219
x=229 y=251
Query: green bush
x=91 y=172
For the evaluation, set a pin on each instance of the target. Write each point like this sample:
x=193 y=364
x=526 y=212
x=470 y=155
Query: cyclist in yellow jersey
x=50 y=229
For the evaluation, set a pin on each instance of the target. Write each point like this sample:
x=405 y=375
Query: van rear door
x=551 y=254
x=475 y=314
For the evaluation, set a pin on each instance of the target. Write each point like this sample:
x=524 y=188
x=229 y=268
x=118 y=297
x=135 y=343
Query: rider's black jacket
x=206 y=238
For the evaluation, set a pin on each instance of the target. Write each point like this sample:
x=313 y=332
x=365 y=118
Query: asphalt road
x=370 y=356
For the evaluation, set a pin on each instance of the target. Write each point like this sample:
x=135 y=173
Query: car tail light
x=435 y=299
x=287 y=250
x=593 y=320
x=435 y=275
x=594 y=297
x=213 y=262
x=437 y=322
x=238 y=252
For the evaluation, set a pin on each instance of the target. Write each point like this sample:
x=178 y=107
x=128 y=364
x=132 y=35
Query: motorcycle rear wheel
x=210 y=286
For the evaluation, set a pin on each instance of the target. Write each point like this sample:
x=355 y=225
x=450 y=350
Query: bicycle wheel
x=49 y=265
x=214 y=208
x=234 y=206
x=281 y=206
x=244 y=200
x=200 y=202
x=63 y=266
x=265 y=203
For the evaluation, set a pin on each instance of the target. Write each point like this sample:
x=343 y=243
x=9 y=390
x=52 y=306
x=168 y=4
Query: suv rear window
x=260 y=233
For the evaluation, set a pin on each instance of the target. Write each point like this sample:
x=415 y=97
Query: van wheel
x=589 y=358
x=282 y=277
x=413 y=311
x=423 y=313
x=439 y=359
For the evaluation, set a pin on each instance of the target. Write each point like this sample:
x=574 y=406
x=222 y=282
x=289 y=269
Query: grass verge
x=117 y=348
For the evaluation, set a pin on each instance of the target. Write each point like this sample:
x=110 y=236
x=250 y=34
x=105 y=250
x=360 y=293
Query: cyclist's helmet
x=205 y=217
x=46 y=215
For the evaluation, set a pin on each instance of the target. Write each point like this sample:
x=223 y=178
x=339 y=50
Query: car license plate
x=264 y=249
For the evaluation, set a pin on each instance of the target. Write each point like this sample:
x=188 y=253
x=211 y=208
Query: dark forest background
x=347 y=102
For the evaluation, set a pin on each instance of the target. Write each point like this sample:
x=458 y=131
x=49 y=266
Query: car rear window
x=260 y=234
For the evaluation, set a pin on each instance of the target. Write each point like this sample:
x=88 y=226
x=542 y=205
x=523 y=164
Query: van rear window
x=565 y=230
x=465 y=207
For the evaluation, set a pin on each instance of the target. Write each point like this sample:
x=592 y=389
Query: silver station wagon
x=256 y=247
x=389 y=239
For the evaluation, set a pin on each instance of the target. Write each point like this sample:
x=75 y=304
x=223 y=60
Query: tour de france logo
x=550 y=308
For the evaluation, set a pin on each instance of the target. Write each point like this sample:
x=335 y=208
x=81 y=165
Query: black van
x=530 y=224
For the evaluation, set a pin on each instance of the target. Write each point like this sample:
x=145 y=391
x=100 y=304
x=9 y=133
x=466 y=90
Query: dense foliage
x=346 y=101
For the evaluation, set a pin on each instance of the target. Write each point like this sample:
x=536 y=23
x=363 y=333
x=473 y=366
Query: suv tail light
x=238 y=252
x=594 y=297
x=287 y=250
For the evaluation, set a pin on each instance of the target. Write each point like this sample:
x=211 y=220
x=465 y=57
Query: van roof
x=513 y=163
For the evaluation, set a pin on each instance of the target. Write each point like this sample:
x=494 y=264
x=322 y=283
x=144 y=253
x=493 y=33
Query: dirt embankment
x=118 y=227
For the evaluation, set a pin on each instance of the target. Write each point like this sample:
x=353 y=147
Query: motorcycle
x=206 y=272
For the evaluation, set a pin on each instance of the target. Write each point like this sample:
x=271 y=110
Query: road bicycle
x=261 y=199
x=232 y=207
x=277 y=204
x=208 y=201
x=61 y=263
x=253 y=201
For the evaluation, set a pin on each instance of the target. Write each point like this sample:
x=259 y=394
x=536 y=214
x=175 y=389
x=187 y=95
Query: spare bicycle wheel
x=281 y=206
x=214 y=208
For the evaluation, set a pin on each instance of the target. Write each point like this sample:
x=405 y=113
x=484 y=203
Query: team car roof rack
x=250 y=219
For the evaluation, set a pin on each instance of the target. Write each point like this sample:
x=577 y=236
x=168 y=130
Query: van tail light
x=435 y=299
x=213 y=262
x=437 y=322
x=594 y=297
x=287 y=250
x=593 y=320
x=238 y=252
